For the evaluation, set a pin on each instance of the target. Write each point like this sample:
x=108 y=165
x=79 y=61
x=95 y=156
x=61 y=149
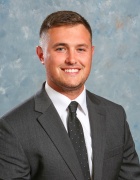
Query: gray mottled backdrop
x=116 y=63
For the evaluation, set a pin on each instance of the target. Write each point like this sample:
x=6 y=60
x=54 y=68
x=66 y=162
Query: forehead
x=69 y=31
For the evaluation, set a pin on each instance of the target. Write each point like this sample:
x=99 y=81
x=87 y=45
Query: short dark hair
x=63 y=18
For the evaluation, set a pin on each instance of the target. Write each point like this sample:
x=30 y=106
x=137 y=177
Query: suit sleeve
x=13 y=161
x=130 y=168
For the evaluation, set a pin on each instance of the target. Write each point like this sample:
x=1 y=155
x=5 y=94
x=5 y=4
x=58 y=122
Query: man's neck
x=71 y=93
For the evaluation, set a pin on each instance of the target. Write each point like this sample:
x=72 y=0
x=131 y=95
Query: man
x=36 y=140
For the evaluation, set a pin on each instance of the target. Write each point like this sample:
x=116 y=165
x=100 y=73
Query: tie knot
x=73 y=106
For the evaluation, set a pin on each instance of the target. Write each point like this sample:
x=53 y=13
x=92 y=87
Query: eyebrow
x=65 y=44
x=83 y=45
x=59 y=44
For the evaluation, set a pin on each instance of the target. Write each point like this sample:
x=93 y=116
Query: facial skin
x=67 y=55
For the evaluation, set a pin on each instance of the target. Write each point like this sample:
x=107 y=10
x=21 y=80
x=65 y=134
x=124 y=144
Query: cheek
x=55 y=60
x=52 y=66
x=87 y=67
x=86 y=62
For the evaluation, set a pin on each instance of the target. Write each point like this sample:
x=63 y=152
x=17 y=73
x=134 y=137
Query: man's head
x=63 y=18
x=66 y=51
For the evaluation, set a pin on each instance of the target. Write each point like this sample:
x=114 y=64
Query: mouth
x=71 y=70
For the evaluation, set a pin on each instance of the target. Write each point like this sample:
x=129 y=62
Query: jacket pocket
x=113 y=152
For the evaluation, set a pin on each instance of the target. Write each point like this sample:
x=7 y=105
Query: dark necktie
x=76 y=135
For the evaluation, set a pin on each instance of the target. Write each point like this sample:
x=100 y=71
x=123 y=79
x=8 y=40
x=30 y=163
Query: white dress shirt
x=61 y=104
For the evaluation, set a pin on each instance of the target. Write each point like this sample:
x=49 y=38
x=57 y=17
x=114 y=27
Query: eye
x=61 y=49
x=81 y=49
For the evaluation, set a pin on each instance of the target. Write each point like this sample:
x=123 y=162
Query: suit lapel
x=53 y=126
x=97 y=122
x=55 y=129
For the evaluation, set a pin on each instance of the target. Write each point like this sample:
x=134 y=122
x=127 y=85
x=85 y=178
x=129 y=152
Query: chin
x=72 y=87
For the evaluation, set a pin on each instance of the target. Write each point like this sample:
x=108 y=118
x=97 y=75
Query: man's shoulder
x=20 y=109
x=114 y=112
x=102 y=101
x=25 y=107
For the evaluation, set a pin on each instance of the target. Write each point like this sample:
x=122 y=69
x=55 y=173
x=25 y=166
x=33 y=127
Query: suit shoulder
x=20 y=109
x=102 y=101
x=115 y=113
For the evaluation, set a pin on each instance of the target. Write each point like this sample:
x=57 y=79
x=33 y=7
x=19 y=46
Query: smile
x=71 y=70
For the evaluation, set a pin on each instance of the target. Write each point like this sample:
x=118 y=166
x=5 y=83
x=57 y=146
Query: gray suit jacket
x=35 y=145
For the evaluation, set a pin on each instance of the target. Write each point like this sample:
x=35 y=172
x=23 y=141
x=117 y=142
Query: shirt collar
x=81 y=99
x=61 y=102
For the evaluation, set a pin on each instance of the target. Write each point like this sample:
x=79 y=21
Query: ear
x=39 y=52
x=93 y=47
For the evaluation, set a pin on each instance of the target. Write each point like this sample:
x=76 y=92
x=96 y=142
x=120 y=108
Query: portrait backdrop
x=115 y=71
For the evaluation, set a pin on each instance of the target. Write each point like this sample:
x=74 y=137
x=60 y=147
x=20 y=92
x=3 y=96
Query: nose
x=71 y=58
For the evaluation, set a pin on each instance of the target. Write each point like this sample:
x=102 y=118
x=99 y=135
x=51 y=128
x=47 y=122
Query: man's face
x=67 y=57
